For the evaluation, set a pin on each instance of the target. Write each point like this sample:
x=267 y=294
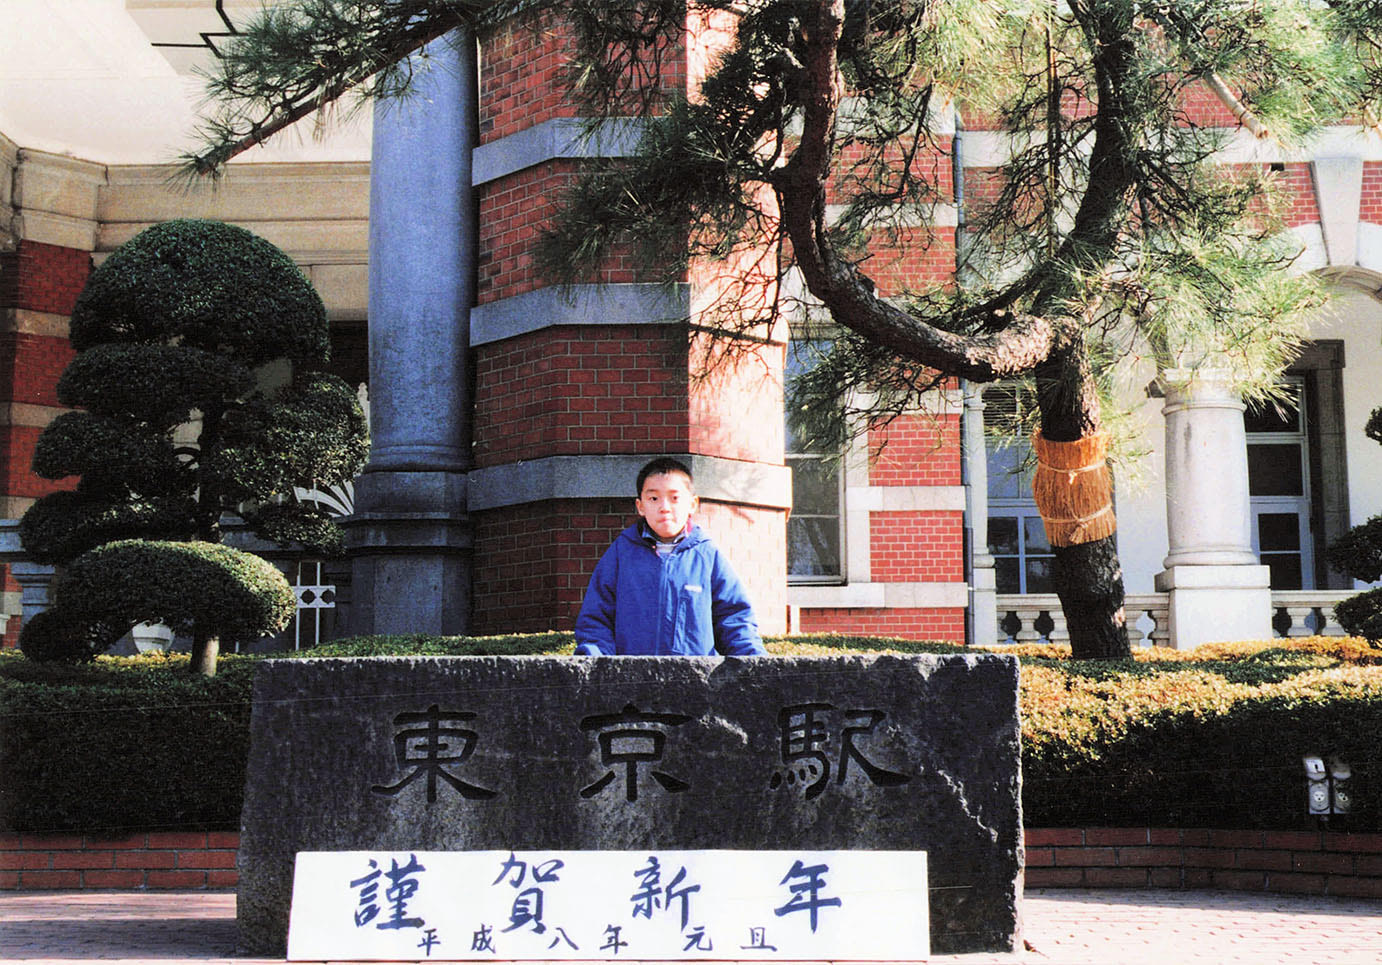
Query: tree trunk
x=1089 y=581
x=1088 y=576
x=205 y=648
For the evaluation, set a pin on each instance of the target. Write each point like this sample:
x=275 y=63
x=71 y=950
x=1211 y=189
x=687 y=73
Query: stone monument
x=878 y=752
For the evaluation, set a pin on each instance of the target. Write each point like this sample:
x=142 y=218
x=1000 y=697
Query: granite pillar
x=1218 y=590
x=410 y=536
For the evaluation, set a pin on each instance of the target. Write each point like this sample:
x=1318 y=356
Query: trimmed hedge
x=1209 y=738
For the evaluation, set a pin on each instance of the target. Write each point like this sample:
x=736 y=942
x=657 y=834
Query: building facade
x=510 y=414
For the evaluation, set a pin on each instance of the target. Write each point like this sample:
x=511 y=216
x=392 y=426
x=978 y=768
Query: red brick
x=9 y=880
x=1036 y=858
x=1240 y=880
x=1368 y=864
x=206 y=859
x=223 y=839
x=1197 y=878
x=25 y=861
x=8 y=840
x=1195 y=837
x=51 y=879
x=1116 y=877
x=222 y=879
x=1265 y=860
x=1164 y=836
x=1334 y=863
x=113 y=879
x=1144 y=857
x=1084 y=857
x=1059 y=837
x=1115 y=836
x=1293 y=840
x=1353 y=842
x=1354 y=887
x=1054 y=877
x=1167 y=877
x=1208 y=858
x=176 y=879
x=146 y=859
x=83 y=859
x=1296 y=884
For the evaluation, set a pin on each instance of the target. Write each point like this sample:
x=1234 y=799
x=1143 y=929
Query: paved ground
x=1062 y=926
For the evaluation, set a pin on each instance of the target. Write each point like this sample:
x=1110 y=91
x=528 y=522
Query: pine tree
x=172 y=428
x=1110 y=230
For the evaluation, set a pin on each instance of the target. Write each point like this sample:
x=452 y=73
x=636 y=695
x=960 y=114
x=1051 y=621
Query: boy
x=663 y=588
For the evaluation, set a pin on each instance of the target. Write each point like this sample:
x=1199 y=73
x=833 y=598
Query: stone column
x=410 y=537
x=1218 y=590
x=983 y=579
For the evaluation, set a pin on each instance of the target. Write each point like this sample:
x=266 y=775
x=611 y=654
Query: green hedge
x=1210 y=738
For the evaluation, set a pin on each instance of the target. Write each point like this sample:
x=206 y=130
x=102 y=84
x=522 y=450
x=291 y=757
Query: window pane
x=1006 y=477
x=1034 y=531
x=802 y=356
x=1274 y=470
x=815 y=487
x=1285 y=570
x=813 y=547
x=1267 y=417
x=1006 y=575
x=1039 y=575
x=1278 y=531
x=1003 y=535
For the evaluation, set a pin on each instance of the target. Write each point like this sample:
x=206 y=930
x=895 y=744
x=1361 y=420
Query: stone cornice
x=602 y=477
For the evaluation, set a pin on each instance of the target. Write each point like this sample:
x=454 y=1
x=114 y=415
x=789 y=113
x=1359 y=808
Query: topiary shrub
x=235 y=595
x=1358 y=554
x=1361 y=615
x=172 y=432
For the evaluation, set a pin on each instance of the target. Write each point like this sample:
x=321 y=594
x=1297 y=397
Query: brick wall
x=43 y=278
x=538 y=558
x=909 y=547
x=909 y=623
x=1370 y=208
x=1305 y=862
x=1297 y=188
x=30 y=366
x=522 y=77
x=1302 y=862
x=582 y=390
x=918 y=450
x=156 y=859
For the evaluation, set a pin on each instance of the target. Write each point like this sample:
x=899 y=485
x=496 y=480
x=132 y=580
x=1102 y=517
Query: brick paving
x=1075 y=926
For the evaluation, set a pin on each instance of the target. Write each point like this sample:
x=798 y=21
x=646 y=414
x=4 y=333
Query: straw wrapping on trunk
x=1074 y=490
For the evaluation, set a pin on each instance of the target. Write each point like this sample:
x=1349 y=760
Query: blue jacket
x=687 y=603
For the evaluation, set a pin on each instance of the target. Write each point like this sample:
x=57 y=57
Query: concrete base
x=984 y=603
x=410 y=547
x=1213 y=604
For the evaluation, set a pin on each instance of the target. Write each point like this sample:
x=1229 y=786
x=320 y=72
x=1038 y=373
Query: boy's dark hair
x=662 y=464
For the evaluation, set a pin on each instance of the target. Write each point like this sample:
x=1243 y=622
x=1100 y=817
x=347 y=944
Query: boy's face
x=666 y=503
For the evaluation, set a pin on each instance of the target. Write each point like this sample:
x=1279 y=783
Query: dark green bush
x=1361 y=615
x=65 y=524
x=106 y=591
x=206 y=285
x=156 y=384
x=99 y=749
x=1209 y=738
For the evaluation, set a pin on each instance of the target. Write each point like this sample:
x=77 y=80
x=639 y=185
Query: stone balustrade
x=1037 y=617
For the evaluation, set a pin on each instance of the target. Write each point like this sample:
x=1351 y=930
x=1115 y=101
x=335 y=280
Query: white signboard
x=610 y=905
